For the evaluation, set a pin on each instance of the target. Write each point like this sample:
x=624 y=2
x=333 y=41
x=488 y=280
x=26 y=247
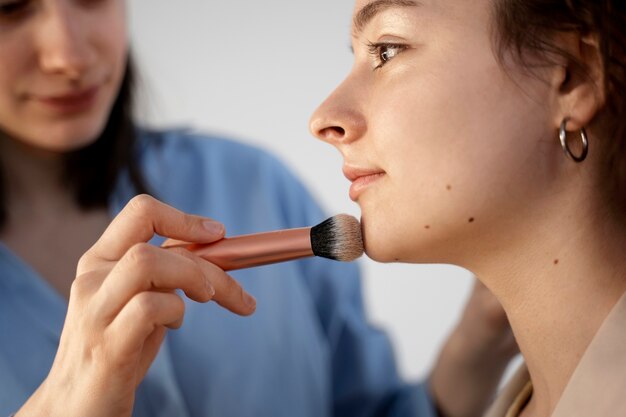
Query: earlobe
x=579 y=81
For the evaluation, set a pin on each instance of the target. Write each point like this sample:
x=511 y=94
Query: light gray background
x=255 y=70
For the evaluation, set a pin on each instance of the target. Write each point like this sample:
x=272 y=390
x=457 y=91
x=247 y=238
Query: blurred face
x=61 y=66
x=443 y=148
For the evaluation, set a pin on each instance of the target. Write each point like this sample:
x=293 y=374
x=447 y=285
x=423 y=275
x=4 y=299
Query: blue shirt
x=307 y=351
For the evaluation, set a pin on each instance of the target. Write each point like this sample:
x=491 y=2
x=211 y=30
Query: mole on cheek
x=427 y=227
x=448 y=187
x=471 y=220
x=556 y=261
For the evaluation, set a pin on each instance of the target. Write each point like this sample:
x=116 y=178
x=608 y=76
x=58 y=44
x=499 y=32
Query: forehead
x=366 y=9
x=454 y=11
x=359 y=4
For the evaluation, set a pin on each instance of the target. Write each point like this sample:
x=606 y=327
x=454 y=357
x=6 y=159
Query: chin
x=65 y=137
x=381 y=243
x=380 y=256
x=383 y=251
x=386 y=240
x=74 y=140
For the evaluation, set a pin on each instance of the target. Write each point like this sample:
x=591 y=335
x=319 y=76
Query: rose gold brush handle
x=256 y=249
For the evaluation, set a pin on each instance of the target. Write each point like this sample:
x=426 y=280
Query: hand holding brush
x=338 y=238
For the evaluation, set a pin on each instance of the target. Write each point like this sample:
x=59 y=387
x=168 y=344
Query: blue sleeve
x=365 y=380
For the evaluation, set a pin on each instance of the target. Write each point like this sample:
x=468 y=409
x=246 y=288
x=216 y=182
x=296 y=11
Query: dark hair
x=525 y=28
x=92 y=172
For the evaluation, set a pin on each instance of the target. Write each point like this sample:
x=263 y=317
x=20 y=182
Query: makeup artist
x=86 y=301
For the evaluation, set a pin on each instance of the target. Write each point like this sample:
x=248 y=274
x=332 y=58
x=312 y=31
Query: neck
x=33 y=180
x=557 y=281
x=45 y=227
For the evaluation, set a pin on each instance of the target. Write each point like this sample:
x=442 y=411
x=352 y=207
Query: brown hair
x=92 y=172
x=524 y=27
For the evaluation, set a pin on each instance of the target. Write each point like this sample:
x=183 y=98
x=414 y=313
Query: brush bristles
x=338 y=238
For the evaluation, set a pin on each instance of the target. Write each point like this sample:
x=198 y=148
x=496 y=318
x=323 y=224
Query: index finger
x=144 y=216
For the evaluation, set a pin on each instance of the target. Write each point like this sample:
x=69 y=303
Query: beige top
x=597 y=387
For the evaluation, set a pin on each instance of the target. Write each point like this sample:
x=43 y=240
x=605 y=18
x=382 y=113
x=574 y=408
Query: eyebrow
x=367 y=13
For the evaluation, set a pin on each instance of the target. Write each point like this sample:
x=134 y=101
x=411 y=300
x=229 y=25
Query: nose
x=63 y=39
x=338 y=120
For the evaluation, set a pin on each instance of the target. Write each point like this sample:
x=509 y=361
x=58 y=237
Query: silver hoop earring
x=565 y=146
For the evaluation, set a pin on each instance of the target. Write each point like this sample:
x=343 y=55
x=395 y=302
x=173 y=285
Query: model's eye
x=384 y=52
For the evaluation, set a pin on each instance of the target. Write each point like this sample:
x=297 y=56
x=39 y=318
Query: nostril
x=333 y=132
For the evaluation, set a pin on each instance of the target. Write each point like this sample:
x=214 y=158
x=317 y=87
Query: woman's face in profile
x=61 y=65
x=445 y=148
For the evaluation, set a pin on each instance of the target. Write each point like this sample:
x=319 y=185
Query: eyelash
x=380 y=49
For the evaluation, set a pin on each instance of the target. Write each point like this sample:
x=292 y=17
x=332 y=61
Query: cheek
x=457 y=154
x=14 y=70
x=109 y=32
x=118 y=48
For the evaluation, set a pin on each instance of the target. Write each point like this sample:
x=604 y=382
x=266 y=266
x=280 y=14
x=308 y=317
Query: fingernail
x=215 y=228
x=249 y=300
x=209 y=288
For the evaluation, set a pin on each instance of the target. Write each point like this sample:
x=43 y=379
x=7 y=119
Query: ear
x=579 y=91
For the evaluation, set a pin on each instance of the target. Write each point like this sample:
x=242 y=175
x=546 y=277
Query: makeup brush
x=338 y=238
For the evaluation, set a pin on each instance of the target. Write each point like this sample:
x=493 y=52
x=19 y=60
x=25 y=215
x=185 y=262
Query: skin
x=470 y=172
x=73 y=46
x=120 y=296
x=122 y=301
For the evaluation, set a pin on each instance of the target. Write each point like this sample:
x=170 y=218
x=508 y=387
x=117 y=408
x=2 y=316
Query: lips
x=70 y=101
x=361 y=178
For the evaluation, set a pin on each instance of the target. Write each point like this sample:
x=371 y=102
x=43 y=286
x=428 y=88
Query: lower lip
x=73 y=104
x=361 y=183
